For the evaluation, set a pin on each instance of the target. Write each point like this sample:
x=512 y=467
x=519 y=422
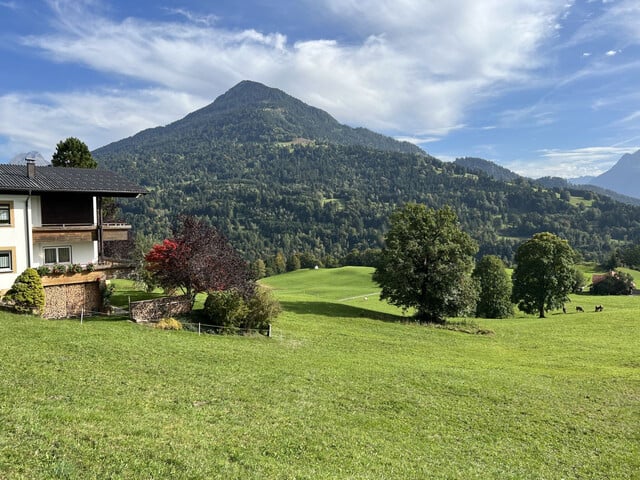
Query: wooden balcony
x=79 y=233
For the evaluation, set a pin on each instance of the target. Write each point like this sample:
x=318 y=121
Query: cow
x=579 y=309
x=599 y=308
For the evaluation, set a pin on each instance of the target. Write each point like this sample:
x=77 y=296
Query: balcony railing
x=79 y=232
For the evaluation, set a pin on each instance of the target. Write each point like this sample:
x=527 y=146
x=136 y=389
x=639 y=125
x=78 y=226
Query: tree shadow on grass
x=329 y=309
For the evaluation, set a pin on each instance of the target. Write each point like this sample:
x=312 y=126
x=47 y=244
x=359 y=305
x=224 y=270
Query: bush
x=226 y=308
x=169 y=324
x=74 y=268
x=58 y=269
x=106 y=291
x=43 y=270
x=262 y=309
x=27 y=292
x=229 y=309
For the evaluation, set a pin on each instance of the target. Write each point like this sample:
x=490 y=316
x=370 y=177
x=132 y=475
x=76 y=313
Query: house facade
x=52 y=216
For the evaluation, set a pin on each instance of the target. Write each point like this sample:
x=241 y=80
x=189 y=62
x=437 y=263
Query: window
x=5 y=213
x=6 y=260
x=57 y=255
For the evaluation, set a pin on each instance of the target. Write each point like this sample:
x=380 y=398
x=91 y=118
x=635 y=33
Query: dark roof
x=13 y=178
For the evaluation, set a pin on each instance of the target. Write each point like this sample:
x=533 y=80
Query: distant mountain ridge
x=490 y=168
x=623 y=177
x=503 y=174
x=251 y=112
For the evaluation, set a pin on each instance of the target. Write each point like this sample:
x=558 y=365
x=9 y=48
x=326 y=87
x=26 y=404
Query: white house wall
x=36 y=212
x=81 y=252
x=16 y=237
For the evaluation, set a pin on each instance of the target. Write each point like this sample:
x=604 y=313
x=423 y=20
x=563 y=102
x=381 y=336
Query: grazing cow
x=599 y=308
x=579 y=309
x=564 y=309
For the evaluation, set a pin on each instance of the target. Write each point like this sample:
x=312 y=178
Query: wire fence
x=195 y=327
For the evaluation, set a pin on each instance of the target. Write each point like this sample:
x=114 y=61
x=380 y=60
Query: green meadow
x=346 y=388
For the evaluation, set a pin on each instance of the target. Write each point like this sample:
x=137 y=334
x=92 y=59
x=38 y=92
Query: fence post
x=269 y=331
x=81 y=315
x=198 y=328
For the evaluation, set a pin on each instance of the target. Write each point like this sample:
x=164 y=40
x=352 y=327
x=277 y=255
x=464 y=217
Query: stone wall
x=158 y=308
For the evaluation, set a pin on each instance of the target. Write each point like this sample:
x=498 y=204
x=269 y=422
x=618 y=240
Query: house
x=52 y=216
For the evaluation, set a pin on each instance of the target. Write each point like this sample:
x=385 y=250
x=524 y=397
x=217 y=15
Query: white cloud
x=570 y=163
x=39 y=122
x=418 y=68
x=612 y=53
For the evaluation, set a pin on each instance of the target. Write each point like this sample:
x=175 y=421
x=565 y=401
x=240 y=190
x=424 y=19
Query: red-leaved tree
x=198 y=259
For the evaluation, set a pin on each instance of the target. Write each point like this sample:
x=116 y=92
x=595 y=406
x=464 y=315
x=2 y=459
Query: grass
x=335 y=393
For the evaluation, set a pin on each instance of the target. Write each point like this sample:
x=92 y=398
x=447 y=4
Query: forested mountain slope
x=269 y=191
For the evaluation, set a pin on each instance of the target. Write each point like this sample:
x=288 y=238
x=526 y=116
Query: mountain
x=490 y=168
x=251 y=112
x=276 y=175
x=623 y=177
x=498 y=172
x=584 y=180
x=21 y=158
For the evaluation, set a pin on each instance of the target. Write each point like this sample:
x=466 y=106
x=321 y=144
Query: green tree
x=544 y=274
x=73 y=152
x=280 y=263
x=494 y=288
x=27 y=292
x=426 y=263
x=293 y=262
x=258 y=269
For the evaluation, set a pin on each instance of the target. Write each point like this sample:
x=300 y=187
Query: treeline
x=328 y=200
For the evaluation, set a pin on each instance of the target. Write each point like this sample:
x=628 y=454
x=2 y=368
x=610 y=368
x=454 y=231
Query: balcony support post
x=100 y=232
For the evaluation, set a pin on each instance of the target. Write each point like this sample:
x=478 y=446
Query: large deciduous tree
x=426 y=263
x=198 y=259
x=494 y=288
x=544 y=274
x=73 y=152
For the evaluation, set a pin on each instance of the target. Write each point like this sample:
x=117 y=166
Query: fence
x=206 y=328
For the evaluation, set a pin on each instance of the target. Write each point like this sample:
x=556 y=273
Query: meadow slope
x=345 y=388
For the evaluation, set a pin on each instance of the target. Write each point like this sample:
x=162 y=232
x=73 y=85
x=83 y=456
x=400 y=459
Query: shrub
x=229 y=309
x=58 y=269
x=106 y=290
x=27 y=292
x=90 y=267
x=226 y=308
x=74 y=268
x=43 y=270
x=169 y=324
x=262 y=309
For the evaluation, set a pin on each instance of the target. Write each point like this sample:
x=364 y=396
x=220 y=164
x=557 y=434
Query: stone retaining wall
x=153 y=310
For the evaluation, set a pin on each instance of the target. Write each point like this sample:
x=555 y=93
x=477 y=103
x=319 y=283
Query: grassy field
x=345 y=388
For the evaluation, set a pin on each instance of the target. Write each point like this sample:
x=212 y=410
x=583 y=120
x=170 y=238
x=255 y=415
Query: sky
x=542 y=87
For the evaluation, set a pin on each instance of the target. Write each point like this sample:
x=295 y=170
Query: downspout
x=28 y=228
x=31 y=173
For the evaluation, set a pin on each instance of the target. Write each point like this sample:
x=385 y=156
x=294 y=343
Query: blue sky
x=539 y=86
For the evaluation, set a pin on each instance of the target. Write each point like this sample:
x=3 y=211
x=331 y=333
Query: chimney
x=31 y=167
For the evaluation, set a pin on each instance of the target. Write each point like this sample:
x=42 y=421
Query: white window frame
x=57 y=249
x=11 y=252
x=8 y=207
